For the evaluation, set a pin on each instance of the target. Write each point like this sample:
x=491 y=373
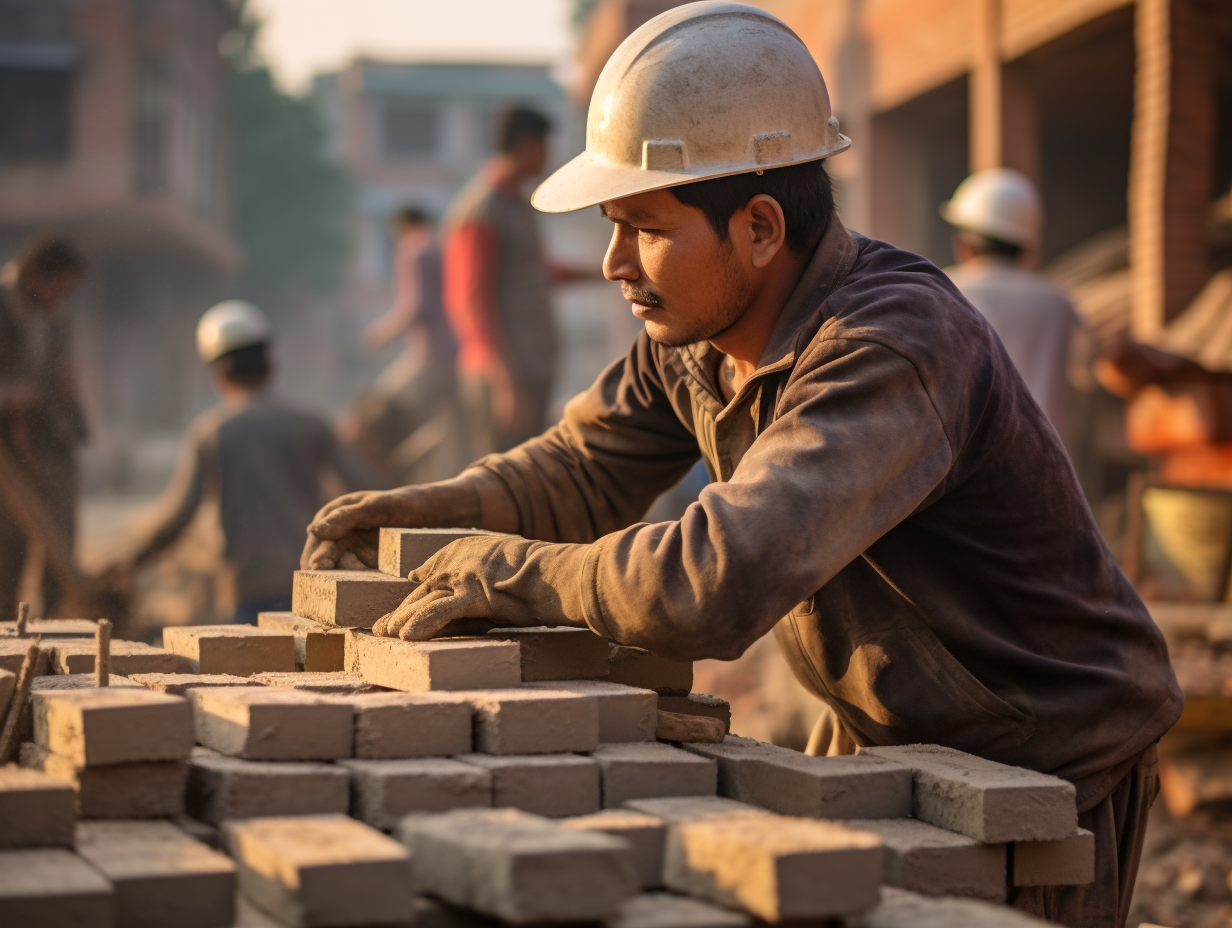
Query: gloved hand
x=508 y=581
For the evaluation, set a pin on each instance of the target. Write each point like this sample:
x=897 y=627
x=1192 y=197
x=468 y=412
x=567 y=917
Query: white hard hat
x=704 y=90
x=999 y=203
x=230 y=325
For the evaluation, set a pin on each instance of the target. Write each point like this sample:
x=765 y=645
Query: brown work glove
x=507 y=581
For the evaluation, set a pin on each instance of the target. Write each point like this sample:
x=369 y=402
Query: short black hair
x=518 y=123
x=49 y=255
x=987 y=246
x=247 y=367
x=803 y=191
x=412 y=216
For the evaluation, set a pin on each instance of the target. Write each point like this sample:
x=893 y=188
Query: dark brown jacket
x=887 y=488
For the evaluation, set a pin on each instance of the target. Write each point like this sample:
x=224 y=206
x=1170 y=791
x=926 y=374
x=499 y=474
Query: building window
x=152 y=104
x=35 y=114
x=411 y=131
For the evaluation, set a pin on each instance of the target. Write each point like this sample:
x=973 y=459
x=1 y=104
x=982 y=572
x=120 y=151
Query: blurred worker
x=41 y=422
x=262 y=461
x=498 y=291
x=996 y=215
x=887 y=497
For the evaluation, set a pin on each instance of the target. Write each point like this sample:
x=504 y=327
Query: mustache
x=643 y=295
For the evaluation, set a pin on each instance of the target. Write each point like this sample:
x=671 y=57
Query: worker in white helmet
x=261 y=461
x=886 y=495
x=996 y=220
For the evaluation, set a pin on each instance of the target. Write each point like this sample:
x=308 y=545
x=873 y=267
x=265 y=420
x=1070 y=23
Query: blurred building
x=113 y=129
x=414 y=133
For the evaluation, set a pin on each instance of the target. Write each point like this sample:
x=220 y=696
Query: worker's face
x=683 y=281
x=48 y=290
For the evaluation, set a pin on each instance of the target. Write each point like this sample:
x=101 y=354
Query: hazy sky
x=302 y=37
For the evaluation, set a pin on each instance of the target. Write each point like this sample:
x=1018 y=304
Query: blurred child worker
x=262 y=460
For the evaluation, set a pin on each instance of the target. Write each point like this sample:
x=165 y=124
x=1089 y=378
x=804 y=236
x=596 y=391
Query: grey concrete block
x=552 y=785
x=1067 y=862
x=900 y=908
x=663 y=910
x=350 y=598
x=118 y=725
x=645 y=770
x=127 y=658
x=383 y=791
x=645 y=834
x=36 y=810
x=532 y=721
x=626 y=713
x=401 y=550
x=640 y=668
x=317 y=647
x=149 y=789
x=691 y=808
x=442 y=664
x=930 y=860
x=558 y=653
x=53 y=889
x=264 y=723
x=240 y=650
x=222 y=788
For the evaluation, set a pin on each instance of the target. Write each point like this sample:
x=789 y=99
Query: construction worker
x=41 y=422
x=886 y=495
x=996 y=219
x=262 y=462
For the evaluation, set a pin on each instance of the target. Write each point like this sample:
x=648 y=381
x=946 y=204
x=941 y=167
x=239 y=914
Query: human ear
x=767 y=229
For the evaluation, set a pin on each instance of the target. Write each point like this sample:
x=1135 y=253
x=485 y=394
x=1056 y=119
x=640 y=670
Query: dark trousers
x=1119 y=825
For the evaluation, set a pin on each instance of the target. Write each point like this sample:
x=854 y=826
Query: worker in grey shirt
x=996 y=216
x=263 y=461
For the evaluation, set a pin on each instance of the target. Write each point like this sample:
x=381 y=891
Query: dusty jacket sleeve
x=856 y=448
x=175 y=510
x=619 y=445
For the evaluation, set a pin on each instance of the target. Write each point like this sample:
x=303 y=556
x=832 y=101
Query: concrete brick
x=558 y=653
x=334 y=683
x=207 y=834
x=1068 y=862
x=8 y=681
x=443 y=664
x=682 y=729
x=401 y=725
x=663 y=910
x=127 y=658
x=711 y=707
x=221 y=788
x=985 y=800
x=263 y=723
x=691 y=808
x=532 y=721
x=322 y=870
x=552 y=785
x=248 y=915
x=644 y=833
x=153 y=789
x=518 y=867
x=626 y=713
x=433 y=913
x=240 y=650
x=636 y=667
x=78 y=681
x=178 y=684
x=791 y=783
x=900 y=908
x=53 y=889
x=93 y=727
x=383 y=791
x=47 y=629
x=161 y=876
x=776 y=868
x=930 y=860
x=401 y=550
x=36 y=810
x=318 y=648
x=349 y=598
x=13 y=652
x=646 y=770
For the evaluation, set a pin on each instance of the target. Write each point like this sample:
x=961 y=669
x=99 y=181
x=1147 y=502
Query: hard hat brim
x=588 y=179
x=1000 y=232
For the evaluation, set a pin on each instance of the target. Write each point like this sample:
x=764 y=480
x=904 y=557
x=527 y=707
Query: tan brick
x=207 y=834
x=63 y=681
x=263 y=723
x=532 y=721
x=403 y=725
x=384 y=791
x=54 y=889
x=152 y=789
x=433 y=913
x=401 y=550
x=93 y=727
x=553 y=785
x=221 y=788
x=322 y=870
x=663 y=910
x=558 y=653
x=626 y=713
x=691 y=808
x=240 y=650
x=985 y=800
x=518 y=867
x=774 y=867
x=13 y=653
x=791 y=783
x=1067 y=862
x=8 y=680
x=930 y=860
x=647 y=770
x=161 y=876
x=48 y=629
x=636 y=667
x=711 y=707
x=350 y=598
x=333 y=683
x=645 y=834
x=178 y=684
x=36 y=810
x=127 y=658
x=317 y=647
x=443 y=664
x=900 y=908
x=679 y=728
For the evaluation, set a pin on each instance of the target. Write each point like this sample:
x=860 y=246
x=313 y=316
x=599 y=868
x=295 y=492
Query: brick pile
x=306 y=773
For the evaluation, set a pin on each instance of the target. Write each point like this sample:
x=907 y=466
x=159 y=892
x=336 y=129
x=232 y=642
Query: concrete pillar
x=985 y=88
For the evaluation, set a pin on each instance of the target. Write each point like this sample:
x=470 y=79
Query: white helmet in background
x=230 y=325
x=704 y=90
x=999 y=203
